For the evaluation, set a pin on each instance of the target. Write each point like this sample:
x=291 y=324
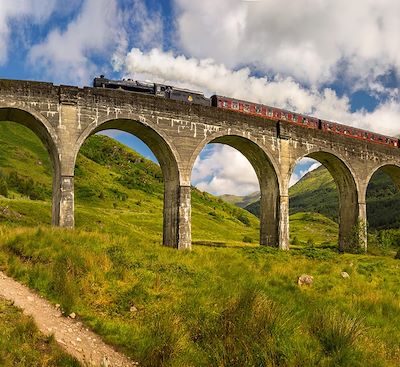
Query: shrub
x=295 y=241
x=244 y=219
x=3 y=187
x=338 y=334
x=249 y=331
x=247 y=239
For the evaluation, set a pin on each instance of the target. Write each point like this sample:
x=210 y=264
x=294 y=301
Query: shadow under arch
x=39 y=125
x=343 y=176
x=391 y=169
x=168 y=160
x=268 y=180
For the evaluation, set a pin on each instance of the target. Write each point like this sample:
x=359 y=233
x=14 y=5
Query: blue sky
x=337 y=60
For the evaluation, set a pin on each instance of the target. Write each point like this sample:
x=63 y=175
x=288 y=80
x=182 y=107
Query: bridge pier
x=284 y=222
x=63 y=202
x=177 y=216
x=362 y=226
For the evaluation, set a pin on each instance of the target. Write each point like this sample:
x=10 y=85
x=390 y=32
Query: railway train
x=233 y=104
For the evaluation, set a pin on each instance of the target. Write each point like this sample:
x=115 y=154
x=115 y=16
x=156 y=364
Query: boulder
x=305 y=279
x=345 y=275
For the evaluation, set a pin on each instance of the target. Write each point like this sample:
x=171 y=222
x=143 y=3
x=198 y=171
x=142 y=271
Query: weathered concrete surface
x=64 y=117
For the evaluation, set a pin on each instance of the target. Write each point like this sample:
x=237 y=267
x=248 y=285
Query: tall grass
x=214 y=306
x=22 y=345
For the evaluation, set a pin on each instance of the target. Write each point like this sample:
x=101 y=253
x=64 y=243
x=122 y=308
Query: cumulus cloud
x=282 y=53
x=16 y=11
x=212 y=174
x=210 y=76
x=66 y=53
x=312 y=41
x=143 y=28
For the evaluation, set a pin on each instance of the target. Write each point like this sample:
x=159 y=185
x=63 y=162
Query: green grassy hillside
x=316 y=192
x=227 y=302
x=241 y=201
x=22 y=345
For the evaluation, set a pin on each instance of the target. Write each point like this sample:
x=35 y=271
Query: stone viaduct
x=64 y=117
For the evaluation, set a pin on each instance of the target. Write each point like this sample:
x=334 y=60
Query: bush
x=244 y=219
x=247 y=239
x=310 y=242
x=338 y=335
x=397 y=256
x=3 y=187
x=295 y=241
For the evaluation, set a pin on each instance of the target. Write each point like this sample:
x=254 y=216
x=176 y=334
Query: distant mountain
x=241 y=201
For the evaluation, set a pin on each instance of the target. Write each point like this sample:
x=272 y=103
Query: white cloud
x=209 y=76
x=143 y=28
x=212 y=174
x=65 y=54
x=312 y=41
x=18 y=10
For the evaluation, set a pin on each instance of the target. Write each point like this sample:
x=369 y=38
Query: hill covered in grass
x=316 y=192
x=228 y=302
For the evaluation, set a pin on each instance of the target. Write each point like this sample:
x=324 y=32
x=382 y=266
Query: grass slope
x=316 y=192
x=213 y=306
x=225 y=303
x=22 y=345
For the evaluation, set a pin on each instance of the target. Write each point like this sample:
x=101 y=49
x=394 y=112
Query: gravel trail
x=70 y=334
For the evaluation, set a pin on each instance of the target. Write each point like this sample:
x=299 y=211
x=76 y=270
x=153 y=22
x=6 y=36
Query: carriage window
x=235 y=105
x=246 y=108
x=225 y=104
x=258 y=109
x=294 y=118
x=305 y=120
x=270 y=112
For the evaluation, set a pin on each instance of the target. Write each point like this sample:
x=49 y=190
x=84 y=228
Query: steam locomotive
x=250 y=108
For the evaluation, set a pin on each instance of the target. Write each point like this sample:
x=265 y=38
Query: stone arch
x=268 y=178
x=176 y=225
x=351 y=232
x=391 y=169
x=42 y=128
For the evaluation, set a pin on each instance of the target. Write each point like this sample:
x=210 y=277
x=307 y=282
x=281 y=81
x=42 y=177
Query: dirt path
x=73 y=337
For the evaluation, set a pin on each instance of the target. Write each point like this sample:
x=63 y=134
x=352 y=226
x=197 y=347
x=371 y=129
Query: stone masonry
x=64 y=117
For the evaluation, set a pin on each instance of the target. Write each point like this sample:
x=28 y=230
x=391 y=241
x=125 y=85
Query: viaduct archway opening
x=338 y=201
x=383 y=199
x=134 y=188
x=29 y=169
x=258 y=179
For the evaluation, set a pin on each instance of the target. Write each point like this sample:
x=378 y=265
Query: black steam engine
x=161 y=90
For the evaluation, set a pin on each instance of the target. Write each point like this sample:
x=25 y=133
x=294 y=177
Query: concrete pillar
x=177 y=216
x=352 y=219
x=184 y=218
x=63 y=202
x=362 y=224
x=269 y=215
x=284 y=222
